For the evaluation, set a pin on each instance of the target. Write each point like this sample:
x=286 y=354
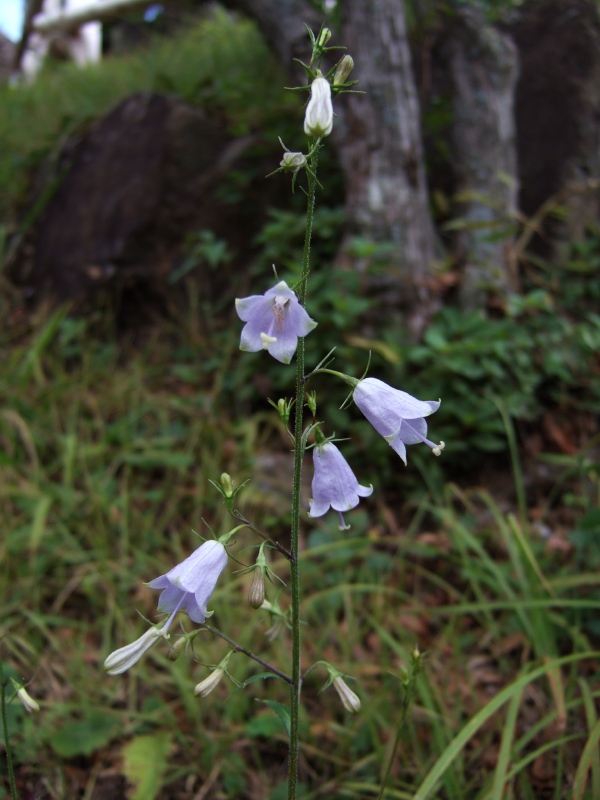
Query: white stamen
x=437 y=451
x=267 y=340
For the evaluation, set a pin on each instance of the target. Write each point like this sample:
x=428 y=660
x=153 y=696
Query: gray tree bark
x=379 y=143
x=558 y=119
x=482 y=64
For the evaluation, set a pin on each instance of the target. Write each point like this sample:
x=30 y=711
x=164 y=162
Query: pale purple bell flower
x=274 y=321
x=334 y=484
x=189 y=586
x=396 y=415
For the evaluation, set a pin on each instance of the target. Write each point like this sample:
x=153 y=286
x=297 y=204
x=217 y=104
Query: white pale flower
x=318 y=120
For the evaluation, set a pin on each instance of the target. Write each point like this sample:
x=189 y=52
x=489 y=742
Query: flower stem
x=409 y=690
x=9 y=763
x=298 y=454
x=240 y=649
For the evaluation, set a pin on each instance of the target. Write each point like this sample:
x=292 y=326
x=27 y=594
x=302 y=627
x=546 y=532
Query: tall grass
x=106 y=456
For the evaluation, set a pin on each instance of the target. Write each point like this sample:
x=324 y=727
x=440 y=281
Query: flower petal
x=246 y=307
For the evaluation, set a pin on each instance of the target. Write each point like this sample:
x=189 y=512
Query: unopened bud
x=227 y=485
x=206 y=686
x=350 y=701
x=324 y=37
x=125 y=657
x=27 y=701
x=177 y=648
x=256 y=595
x=343 y=70
x=311 y=402
x=318 y=120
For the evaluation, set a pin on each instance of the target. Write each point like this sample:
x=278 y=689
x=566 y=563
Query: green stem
x=298 y=454
x=406 y=700
x=9 y=763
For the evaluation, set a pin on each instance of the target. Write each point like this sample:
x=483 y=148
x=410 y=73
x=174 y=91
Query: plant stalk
x=9 y=763
x=298 y=455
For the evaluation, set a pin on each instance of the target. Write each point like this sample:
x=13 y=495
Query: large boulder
x=131 y=191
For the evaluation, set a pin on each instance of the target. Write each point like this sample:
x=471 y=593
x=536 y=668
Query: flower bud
x=177 y=648
x=227 y=485
x=318 y=120
x=125 y=657
x=343 y=70
x=206 y=686
x=256 y=595
x=293 y=162
x=324 y=37
x=28 y=703
x=311 y=402
x=350 y=701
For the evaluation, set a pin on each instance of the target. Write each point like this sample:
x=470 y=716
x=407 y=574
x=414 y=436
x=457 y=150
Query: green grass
x=106 y=454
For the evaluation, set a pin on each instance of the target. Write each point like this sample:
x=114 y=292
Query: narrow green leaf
x=588 y=757
x=456 y=745
x=508 y=736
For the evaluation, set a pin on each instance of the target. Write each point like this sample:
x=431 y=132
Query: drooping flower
x=274 y=321
x=396 y=415
x=318 y=120
x=187 y=587
x=334 y=484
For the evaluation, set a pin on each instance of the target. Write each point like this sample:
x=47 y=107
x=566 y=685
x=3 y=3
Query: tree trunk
x=558 y=118
x=379 y=139
x=482 y=66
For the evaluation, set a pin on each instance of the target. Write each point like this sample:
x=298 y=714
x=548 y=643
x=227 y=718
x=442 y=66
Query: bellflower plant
x=274 y=322
x=396 y=415
x=334 y=484
x=277 y=321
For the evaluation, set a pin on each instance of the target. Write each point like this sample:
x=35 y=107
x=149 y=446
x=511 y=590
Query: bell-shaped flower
x=189 y=586
x=318 y=120
x=274 y=321
x=334 y=484
x=396 y=415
